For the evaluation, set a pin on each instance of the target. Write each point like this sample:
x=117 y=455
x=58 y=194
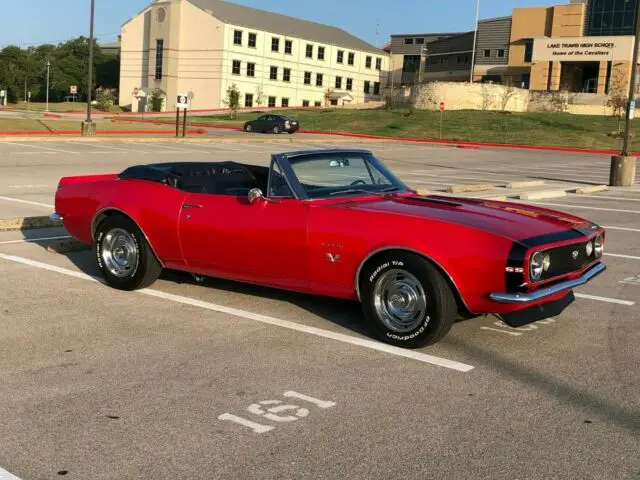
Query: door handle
x=191 y=205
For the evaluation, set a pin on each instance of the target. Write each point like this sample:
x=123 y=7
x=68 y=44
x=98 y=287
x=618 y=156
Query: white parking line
x=340 y=337
x=617 y=255
x=88 y=144
x=32 y=153
x=28 y=202
x=33 y=240
x=605 y=299
x=44 y=148
x=624 y=229
x=4 y=475
x=182 y=149
x=598 y=197
x=27 y=186
x=582 y=207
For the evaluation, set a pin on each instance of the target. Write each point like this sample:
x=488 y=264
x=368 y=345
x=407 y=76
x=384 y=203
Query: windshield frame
x=285 y=160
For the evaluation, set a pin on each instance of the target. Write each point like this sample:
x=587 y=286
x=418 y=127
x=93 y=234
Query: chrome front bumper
x=56 y=218
x=541 y=294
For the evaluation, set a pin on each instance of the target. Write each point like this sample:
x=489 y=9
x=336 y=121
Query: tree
x=232 y=100
x=156 y=99
x=508 y=91
x=259 y=96
x=618 y=95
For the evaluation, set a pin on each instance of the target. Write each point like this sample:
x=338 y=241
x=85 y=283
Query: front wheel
x=407 y=300
x=276 y=129
x=291 y=132
x=248 y=128
x=124 y=255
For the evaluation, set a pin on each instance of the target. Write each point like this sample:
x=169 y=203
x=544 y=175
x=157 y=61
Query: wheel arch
x=108 y=212
x=462 y=305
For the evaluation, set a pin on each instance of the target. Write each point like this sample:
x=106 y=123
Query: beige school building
x=201 y=47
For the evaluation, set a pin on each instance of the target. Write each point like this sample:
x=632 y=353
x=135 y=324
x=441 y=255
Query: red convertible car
x=336 y=223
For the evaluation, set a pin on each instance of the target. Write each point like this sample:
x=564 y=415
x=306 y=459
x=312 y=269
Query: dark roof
x=236 y=14
x=494 y=19
x=436 y=34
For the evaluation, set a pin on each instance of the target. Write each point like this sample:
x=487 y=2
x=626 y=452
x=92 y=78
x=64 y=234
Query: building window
x=309 y=53
x=320 y=53
x=273 y=73
x=501 y=53
x=611 y=18
x=253 y=40
x=288 y=47
x=367 y=62
x=340 y=58
x=419 y=41
x=285 y=102
x=338 y=82
x=237 y=37
x=236 y=67
x=251 y=69
x=408 y=41
x=376 y=88
x=248 y=99
x=378 y=64
x=271 y=102
x=528 y=51
x=305 y=103
x=459 y=59
x=159 y=58
x=307 y=78
x=349 y=83
x=367 y=86
x=466 y=59
x=411 y=63
x=317 y=104
x=352 y=58
x=319 y=78
x=286 y=75
x=486 y=54
x=275 y=44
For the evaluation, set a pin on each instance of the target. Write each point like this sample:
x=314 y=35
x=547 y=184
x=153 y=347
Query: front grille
x=563 y=261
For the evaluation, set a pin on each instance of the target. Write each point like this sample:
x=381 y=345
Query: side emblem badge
x=575 y=254
x=333 y=257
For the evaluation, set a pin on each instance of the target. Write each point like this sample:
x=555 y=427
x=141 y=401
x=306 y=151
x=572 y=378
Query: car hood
x=514 y=221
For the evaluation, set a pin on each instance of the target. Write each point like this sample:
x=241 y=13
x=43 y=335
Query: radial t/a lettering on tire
x=407 y=301
x=123 y=254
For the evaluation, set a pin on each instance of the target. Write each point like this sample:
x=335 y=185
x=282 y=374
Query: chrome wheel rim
x=119 y=252
x=400 y=301
x=249 y=128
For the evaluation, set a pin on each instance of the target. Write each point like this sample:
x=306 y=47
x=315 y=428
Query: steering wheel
x=359 y=181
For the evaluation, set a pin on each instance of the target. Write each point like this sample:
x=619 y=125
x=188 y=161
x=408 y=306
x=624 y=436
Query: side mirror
x=255 y=195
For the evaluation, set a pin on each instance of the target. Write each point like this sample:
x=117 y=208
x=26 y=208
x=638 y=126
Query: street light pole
x=90 y=82
x=475 y=38
x=623 y=166
x=48 y=70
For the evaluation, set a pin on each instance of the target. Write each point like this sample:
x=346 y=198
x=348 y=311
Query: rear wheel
x=276 y=129
x=406 y=299
x=124 y=255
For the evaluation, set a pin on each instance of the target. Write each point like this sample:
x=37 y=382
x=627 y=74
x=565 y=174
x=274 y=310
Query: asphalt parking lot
x=224 y=380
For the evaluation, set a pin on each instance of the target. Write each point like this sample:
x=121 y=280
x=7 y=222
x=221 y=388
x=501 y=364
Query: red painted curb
x=51 y=115
x=112 y=132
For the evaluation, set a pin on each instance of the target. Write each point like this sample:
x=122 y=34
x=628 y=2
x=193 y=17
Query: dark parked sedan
x=272 y=123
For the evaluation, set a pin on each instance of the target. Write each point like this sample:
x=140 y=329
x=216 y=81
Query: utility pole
x=48 y=70
x=623 y=166
x=475 y=38
x=88 y=126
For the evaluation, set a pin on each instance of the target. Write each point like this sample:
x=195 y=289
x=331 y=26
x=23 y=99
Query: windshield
x=344 y=175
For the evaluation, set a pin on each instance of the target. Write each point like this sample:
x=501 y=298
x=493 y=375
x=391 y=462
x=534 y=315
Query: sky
x=50 y=21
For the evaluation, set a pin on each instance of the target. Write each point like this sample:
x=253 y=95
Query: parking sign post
x=441 y=115
x=182 y=102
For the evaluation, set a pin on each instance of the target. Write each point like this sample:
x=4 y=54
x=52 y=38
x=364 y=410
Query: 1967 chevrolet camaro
x=336 y=223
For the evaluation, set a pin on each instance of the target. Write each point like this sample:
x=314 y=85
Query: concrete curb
x=67 y=246
x=26 y=223
x=459 y=188
x=530 y=184
x=593 y=189
x=422 y=191
x=545 y=194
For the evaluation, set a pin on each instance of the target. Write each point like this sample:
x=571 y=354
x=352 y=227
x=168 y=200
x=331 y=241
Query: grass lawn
x=47 y=125
x=559 y=129
x=63 y=107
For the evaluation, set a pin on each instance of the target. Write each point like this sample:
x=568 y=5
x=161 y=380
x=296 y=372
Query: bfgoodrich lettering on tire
x=124 y=256
x=406 y=300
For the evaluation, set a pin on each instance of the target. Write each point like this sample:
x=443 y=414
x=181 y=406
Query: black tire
x=291 y=132
x=438 y=315
x=276 y=129
x=147 y=268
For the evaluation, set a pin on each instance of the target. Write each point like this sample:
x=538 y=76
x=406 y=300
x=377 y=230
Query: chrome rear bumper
x=524 y=298
x=56 y=218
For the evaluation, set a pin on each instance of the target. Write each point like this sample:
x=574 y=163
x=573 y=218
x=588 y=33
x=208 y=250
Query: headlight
x=536 y=266
x=598 y=245
x=546 y=262
x=589 y=249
